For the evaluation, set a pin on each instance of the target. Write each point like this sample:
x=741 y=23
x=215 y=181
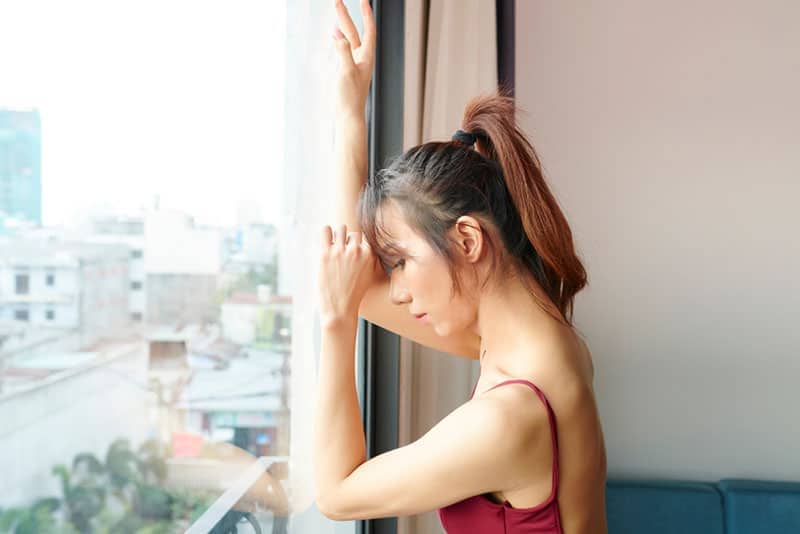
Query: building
x=65 y=285
x=182 y=265
x=211 y=387
x=128 y=231
x=258 y=319
x=20 y=167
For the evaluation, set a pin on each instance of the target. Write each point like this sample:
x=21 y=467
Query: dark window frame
x=379 y=353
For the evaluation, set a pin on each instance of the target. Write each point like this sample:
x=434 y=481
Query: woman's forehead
x=394 y=231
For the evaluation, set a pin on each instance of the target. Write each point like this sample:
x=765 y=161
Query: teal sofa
x=730 y=506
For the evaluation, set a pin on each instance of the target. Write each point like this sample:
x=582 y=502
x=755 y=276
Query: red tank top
x=480 y=515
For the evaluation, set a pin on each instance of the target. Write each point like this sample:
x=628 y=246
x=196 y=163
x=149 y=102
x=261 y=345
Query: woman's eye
x=389 y=268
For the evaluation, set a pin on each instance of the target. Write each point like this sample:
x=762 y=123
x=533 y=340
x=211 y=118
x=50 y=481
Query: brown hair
x=500 y=183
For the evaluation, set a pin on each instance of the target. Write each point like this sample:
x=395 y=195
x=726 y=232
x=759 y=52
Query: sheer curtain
x=450 y=57
x=308 y=185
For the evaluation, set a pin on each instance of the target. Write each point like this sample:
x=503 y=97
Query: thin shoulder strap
x=551 y=417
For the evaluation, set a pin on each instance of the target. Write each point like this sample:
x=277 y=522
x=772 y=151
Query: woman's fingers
x=354 y=238
x=341 y=237
x=343 y=48
x=369 y=26
x=346 y=24
x=327 y=236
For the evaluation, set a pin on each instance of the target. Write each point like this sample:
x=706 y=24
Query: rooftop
x=17 y=252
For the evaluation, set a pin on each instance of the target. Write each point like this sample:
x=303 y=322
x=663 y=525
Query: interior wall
x=670 y=132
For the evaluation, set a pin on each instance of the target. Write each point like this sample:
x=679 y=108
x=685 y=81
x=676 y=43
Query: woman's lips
x=421 y=315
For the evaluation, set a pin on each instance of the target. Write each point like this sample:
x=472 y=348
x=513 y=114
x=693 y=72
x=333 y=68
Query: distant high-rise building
x=20 y=165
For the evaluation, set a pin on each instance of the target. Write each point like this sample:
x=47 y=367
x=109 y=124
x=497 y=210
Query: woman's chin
x=441 y=330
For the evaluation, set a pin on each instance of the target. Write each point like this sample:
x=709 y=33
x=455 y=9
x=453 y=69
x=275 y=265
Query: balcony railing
x=257 y=489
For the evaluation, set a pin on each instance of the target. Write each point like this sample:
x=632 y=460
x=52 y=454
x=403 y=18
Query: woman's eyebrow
x=393 y=247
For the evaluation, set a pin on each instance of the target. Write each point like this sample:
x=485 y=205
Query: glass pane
x=164 y=168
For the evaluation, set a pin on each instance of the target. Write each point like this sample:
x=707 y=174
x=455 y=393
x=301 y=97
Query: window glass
x=21 y=284
x=164 y=168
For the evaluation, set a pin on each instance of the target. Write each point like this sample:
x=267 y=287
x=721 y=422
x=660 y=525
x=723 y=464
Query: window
x=21 y=286
x=206 y=140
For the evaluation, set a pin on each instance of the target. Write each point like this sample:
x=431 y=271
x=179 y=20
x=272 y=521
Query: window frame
x=378 y=350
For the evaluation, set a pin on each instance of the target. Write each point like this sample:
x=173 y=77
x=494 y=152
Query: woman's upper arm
x=474 y=450
x=377 y=307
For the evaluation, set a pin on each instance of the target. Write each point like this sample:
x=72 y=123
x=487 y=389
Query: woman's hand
x=357 y=58
x=345 y=274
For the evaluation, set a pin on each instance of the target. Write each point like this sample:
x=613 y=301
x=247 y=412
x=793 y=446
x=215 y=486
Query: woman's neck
x=510 y=323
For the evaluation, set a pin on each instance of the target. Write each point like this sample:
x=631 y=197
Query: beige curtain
x=450 y=57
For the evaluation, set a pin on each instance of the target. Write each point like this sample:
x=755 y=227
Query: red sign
x=186 y=445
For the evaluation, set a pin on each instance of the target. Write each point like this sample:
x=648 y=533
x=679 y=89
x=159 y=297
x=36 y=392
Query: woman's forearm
x=339 y=441
x=350 y=149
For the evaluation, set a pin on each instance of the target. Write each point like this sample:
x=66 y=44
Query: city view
x=181 y=329
x=149 y=272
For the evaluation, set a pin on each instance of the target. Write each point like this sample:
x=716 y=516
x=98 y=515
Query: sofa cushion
x=663 y=507
x=761 y=506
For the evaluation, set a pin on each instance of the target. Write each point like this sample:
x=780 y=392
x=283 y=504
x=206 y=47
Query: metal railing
x=227 y=513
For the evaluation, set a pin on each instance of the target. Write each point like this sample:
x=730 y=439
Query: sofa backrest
x=760 y=506
x=663 y=507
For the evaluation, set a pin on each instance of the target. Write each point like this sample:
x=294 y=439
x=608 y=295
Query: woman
x=465 y=250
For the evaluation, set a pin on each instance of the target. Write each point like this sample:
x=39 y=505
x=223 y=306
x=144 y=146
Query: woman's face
x=420 y=279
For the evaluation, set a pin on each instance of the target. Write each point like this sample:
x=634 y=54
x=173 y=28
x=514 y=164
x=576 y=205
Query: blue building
x=20 y=166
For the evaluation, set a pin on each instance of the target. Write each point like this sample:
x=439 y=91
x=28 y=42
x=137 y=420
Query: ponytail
x=491 y=119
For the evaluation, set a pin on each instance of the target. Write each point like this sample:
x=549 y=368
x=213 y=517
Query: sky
x=175 y=98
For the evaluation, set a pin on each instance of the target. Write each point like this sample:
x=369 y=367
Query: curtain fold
x=450 y=57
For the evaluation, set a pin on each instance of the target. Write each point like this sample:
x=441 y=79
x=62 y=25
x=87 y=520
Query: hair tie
x=464 y=137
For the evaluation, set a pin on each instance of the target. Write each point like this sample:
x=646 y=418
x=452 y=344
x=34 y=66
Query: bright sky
x=178 y=98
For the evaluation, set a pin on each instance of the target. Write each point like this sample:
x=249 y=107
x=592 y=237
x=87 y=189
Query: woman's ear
x=468 y=235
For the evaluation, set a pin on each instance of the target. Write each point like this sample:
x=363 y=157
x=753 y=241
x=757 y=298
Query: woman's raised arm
x=357 y=58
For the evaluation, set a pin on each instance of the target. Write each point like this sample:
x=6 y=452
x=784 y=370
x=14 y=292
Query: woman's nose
x=397 y=294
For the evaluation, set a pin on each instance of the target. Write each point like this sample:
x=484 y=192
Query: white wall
x=83 y=411
x=670 y=131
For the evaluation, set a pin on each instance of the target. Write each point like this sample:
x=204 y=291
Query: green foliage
x=190 y=505
x=152 y=502
x=121 y=464
x=130 y=479
x=37 y=519
x=151 y=460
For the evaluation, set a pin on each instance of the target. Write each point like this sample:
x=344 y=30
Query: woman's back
x=564 y=384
